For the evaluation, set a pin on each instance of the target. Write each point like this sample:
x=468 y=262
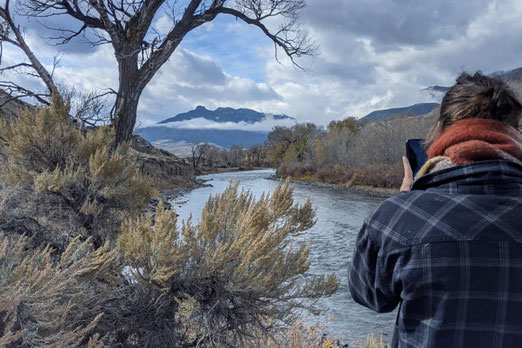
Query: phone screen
x=416 y=154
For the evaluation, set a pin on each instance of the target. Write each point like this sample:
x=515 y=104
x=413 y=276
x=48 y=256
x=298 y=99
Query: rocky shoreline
x=375 y=192
x=168 y=195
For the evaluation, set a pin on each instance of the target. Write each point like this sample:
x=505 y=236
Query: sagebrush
x=234 y=274
x=47 y=155
x=47 y=302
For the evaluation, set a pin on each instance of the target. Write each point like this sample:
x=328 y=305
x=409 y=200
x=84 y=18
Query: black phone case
x=416 y=154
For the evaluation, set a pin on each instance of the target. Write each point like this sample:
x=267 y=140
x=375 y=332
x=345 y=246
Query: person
x=447 y=249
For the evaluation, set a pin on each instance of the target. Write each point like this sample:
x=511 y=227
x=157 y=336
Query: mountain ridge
x=224 y=114
x=412 y=110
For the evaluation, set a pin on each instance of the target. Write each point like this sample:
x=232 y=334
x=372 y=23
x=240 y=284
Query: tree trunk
x=125 y=115
x=126 y=105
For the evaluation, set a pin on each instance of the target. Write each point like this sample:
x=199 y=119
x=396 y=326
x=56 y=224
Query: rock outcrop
x=167 y=169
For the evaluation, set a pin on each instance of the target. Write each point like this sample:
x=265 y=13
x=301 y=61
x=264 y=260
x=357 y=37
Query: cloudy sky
x=374 y=54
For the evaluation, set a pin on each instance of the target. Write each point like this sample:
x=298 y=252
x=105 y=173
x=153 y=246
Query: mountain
x=436 y=89
x=224 y=127
x=514 y=79
x=223 y=115
x=416 y=109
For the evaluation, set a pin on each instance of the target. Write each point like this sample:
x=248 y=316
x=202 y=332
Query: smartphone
x=416 y=154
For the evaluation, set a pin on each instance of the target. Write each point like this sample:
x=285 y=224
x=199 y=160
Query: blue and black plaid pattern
x=450 y=254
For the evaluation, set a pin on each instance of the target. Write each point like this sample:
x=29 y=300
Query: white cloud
x=187 y=80
x=374 y=54
x=163 y=25
x=362 y=69
x=265 y=125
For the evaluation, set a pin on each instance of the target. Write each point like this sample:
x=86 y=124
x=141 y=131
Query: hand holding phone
x=416 y=154
x=407 y=181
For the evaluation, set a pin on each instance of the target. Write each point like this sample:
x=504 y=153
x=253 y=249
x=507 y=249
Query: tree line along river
x=340 y=215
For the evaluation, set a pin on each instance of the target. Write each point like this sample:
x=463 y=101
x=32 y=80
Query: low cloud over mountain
x=223 y=126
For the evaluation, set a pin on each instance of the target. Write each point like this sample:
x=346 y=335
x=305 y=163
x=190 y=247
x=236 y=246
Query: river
x=339 y=218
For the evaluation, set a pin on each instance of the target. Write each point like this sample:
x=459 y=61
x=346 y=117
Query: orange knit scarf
x=477 y=139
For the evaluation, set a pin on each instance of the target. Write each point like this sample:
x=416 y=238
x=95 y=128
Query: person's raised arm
x=369 y=282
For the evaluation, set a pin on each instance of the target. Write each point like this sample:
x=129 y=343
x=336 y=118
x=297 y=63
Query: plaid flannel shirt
x=450 y=254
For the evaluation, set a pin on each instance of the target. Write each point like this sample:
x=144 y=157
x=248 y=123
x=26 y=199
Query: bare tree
x=140 y=51
x=11 y=33
x=235 y=156
x=213 y=156
x=198 y=150
x=87 y=107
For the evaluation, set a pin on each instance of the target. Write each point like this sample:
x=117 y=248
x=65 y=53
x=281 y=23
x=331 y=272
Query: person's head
x=477 y=96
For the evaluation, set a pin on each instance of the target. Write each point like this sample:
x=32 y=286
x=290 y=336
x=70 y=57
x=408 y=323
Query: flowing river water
x=340 y=215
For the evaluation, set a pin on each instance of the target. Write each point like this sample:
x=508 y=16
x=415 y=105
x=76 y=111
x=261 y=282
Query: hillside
x=11 y=108
x=416 y=109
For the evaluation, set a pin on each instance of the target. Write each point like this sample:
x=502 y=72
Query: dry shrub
x=44 y=302
x=45 y=153
x=378 y=175
x=372 y=342
x=235 y=274
x=300 y=335
x=334 y=174
x=296 y=169
x=375 y=175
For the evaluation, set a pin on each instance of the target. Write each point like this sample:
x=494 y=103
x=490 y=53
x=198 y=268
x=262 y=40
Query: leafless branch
x=290 y=37
x=17 y=92
x=89 y=107
x=20 y=42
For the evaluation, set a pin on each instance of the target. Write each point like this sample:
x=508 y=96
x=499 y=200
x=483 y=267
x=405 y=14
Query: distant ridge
x=181 y=127
x=224 y=115
x=416 y=109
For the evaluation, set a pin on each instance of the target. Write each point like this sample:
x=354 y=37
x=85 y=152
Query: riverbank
x=205 y=171
x=171 y=194
x=376 y=192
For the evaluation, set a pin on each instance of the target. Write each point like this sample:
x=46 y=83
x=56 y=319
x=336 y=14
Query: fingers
x=408 y=175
